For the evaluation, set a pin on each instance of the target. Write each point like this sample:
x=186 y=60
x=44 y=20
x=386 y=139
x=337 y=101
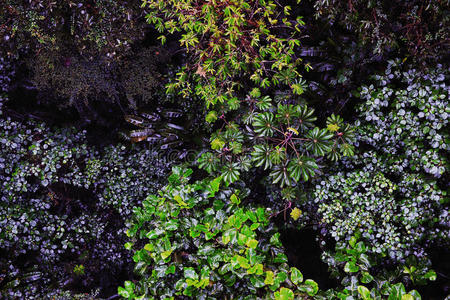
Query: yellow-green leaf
x=252 y=243
x=217 y=144
x=166 y=254
x=179 y=200
x=293 y=130
x=234 y=199
x=269 y=278
x=333 y=127
x=296 y=213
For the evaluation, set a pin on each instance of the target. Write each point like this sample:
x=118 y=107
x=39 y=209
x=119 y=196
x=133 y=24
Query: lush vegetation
x=164 y=149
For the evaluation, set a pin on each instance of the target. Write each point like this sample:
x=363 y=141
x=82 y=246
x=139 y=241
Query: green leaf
x=149 y=247
x=256 y=269
x=364 y=292
x=305 y=117
x=364 y=259
x=230 y=173
x=278 y=155
x=208 y=162
x=351 y=267
x=310 y=287
x=166 y=254
x=190 y=273
x=280 y=258
x=396 y=292
x=171 y=225
x=263 y=124
x=180 y=201
x=129 y=286
x=334 y=122
x=211 y=116
x=257 y=281
x=217 y=144
x=234 y=199
x=319 y=141
x=214 y=186
x=296 y=276
x=255 y=93
x=280 y=175
x=279 y=279
x=269 y=278
x=123 y=292
x=286 y=113
x=264 y=103
x=360 y=247
x=230 y=279
x=170 y=269
x=302 y=167
x=430 y=275
x=240 y=261
x=275 y=240
x=366 y=277
x=284 y=294
x=252 y=243
x=261 y=156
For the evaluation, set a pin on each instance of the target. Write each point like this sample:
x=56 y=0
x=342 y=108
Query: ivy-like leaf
x=284 y=294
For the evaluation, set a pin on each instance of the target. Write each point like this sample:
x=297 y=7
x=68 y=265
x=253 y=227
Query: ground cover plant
x=224 y=150
x=189 y=248
x=63 y=203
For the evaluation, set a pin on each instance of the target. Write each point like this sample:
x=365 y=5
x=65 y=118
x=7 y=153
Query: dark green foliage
x=63 y=204
x=375 y=190
x=286 y=143
x=352 y=264
x=72 y=80
x=420 y=27
x=234 y=44
x=388 y=191
x=140 y=75
x=88 y=28
x=65 y=79
x=229 y=44
x=413 y=134
x=197 y=240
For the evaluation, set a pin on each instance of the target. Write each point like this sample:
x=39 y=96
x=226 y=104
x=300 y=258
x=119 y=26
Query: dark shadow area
x=439 y=289
x=303 y=253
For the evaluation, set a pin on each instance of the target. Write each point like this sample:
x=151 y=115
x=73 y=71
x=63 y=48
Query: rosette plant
x=283 y=140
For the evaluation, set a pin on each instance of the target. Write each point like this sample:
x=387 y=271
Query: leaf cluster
x=354 y=266
x=196 y=240
x=229 y=43
x=283 y=140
